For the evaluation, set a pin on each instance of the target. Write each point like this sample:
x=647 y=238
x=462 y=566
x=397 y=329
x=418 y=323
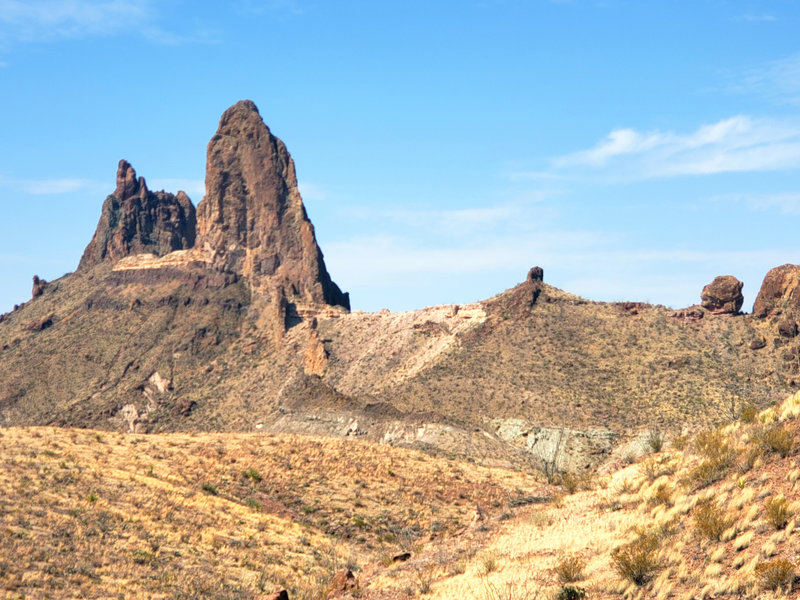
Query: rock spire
x=252 y=220
x=135 y=220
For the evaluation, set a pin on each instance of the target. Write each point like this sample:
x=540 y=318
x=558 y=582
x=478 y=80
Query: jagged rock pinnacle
x=135 y=220
x=252 y=220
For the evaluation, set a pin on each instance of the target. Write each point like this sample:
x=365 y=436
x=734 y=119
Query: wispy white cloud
x=274 y=7
x=312 y=192
x=56 y=20
x=47 y=20
x=55 y=186
x=777 y=80
x=785 y=203
x=737 y=144
x=756 y=18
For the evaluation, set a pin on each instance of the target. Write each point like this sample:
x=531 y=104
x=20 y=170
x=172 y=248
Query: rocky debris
x=536 y=274
x=252 y=220
x=780 y=292
x=758 y=343
x=787 y=328
x=344 y=582
x=691 y=313
x=315 y=361
x=632 y=308
x=39 y=286
x=41 y=324
x=402 y=557
x=135 y=220
x=723 y=295
x=281 y=595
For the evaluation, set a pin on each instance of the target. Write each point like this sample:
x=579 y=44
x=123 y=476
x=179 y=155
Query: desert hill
x=224 y=318
x=96 y=514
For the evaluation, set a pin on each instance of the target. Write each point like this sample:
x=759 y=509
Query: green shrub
x=748 y=414
x=252 y=474
x=571 y=592
x=211 y=489
x=710 y=520
x=776 y=438
x=777 y=512
x=570 y=568
x=774 y=574
x=655 y=440
x=637 y=561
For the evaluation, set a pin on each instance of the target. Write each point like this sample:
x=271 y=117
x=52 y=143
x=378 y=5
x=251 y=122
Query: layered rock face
x=135 y=220
x=780 y=292
x=252 y=220
x=723 y=295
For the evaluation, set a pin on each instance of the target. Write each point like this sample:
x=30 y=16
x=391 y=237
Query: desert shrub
x=774 y=574
x=748 y=414
x=661 y=495
x=571 y=592
x=569 y=482
x=680 y=442
x=252 y=474
x=776 y=438
x=718 y=457
x=570 y=568
x=637 y=561
x=210 y=488
x=654 y=440
x=777 y=512
x=710 y=520
x=747 y=458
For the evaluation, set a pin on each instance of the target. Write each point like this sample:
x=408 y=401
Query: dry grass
x=91 y=515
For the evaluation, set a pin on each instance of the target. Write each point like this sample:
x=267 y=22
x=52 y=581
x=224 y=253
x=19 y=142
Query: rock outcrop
x=723 y=295
x=252 y=220
x=780 y=292
x=39 y=286
x=135 y=220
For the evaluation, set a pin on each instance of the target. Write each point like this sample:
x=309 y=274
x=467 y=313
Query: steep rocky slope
x=230 y=321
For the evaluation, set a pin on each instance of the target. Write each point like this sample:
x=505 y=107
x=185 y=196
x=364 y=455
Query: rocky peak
x=252 y=220
x=723 y=295
x=780 y=292
x=135 y=220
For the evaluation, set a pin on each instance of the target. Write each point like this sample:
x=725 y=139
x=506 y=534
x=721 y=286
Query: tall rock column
x=252 y=220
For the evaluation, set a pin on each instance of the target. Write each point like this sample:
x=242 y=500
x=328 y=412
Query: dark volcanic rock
x=252 y=220
x=38 y=286
x=779 y=292
x=135 y=220
x=787 y=328
x=536 y=274
x=723 y=295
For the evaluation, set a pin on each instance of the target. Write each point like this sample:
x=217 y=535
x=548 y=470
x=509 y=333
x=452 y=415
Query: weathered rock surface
x=780 y=292
x=39 y=286
x=252 y=220
x=135 y=220
x=723 y=295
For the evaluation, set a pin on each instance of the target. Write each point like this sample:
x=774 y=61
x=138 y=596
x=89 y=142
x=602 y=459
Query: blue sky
x=633 y=149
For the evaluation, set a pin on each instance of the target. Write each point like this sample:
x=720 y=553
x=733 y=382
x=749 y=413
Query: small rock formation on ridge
x=252 y=220
x=135 y=220
x=780 y=292
x=723 y=295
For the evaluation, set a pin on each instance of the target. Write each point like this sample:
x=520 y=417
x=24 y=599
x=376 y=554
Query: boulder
x=787 y=328
x=38 y=286
x=780 y=292
x=135 y=220
x=723 y=295
x=344 y=582
x=252 y=220
x=536 y=274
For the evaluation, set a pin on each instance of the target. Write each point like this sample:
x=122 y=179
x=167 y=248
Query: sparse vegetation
x=637 y=561
x=570 y=569
x=776 y=574
x=710 y=520
x=778 y=512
